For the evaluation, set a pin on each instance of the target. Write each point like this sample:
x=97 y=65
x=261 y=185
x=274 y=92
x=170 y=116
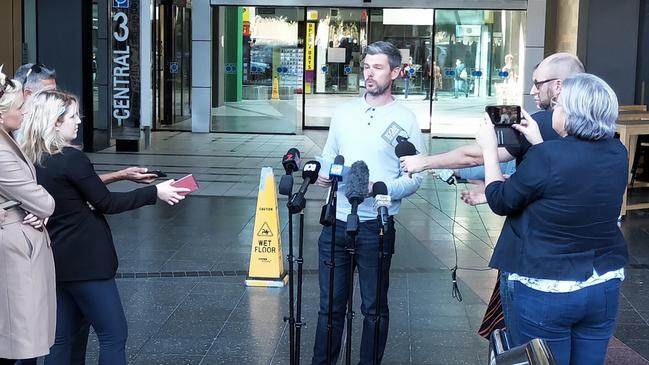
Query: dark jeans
x=98 y=302
x=577 y=325
x=511 y=319
x=366 y=258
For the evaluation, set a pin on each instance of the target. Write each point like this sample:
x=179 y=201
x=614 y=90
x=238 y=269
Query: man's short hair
x=31 y=75
x=388 y=49
x=591 y=107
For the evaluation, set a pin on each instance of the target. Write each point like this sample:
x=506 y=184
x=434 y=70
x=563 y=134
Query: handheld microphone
x=404 y=148
x=359 y=181
x=309 y=175
x=328 y=212
x=382 y=201
x=291 y=161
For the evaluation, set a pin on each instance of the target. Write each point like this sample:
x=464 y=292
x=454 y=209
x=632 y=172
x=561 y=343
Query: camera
x=503 y=117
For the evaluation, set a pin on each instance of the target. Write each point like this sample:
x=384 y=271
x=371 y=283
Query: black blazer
x=562 y=206
x=81 y=239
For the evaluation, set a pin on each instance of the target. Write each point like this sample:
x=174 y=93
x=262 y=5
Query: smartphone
x=188 y=182
x=503 y=117
x=9 y=204
x=158 y=173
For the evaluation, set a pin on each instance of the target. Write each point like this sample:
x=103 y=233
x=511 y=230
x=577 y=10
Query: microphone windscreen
x=379 y=188
x=295 y=152
x=310 y=171
x=405 y=148
x=339 y=160
x=357 y=181
x=286 y=185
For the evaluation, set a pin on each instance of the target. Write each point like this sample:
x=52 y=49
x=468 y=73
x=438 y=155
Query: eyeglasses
x=3 y=88
x=537 y=84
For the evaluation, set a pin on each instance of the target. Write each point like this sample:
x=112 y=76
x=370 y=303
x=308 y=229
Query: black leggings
x=7 y=362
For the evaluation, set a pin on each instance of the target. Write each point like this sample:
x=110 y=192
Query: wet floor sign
x=266 y=260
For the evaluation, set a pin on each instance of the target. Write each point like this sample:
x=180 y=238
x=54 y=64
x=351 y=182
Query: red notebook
x=188 y=182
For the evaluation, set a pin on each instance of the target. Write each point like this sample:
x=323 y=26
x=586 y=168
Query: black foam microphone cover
x=291 y=160
x=339 y=160
x=358 y=181
x=286 y=185
x=405 y=148
x=379 y=188
x=310 y=171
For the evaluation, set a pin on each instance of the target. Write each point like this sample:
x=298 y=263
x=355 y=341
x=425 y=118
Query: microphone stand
x=379 y=287
x=291 y=298
x=298 y=312
x=332 y=266
x=352 y=231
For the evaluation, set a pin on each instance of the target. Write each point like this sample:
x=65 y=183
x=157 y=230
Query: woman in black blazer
x=84 y=254
x=560 y=243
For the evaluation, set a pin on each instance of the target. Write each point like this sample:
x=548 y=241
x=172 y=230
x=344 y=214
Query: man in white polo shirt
x=365 y=129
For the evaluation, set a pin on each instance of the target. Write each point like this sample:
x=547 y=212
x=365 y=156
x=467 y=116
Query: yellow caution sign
x=275 y=93
x=266 y=260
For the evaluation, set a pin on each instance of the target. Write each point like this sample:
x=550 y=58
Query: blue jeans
x=366 y=258
x=459 y=85
x=98 y=302
x=577 y=325
x=511 y=320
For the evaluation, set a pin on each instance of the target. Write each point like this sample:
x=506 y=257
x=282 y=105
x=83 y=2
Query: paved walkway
x=182 y=268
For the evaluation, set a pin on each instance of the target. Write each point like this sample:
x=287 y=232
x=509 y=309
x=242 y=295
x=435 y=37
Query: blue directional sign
x=449 y=72
x=173 y=68
x=476 y=73
x=120 y=3
x=230 y=68
x=411 y=71
x=503 y=73
x=324 y=68
x=348 y=70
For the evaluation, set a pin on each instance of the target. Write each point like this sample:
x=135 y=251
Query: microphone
x=359 y=180
x=382 y=201
x=309 y=175
x=404 y=148
x=286 y=185
x=328 y=212
x=291 y=161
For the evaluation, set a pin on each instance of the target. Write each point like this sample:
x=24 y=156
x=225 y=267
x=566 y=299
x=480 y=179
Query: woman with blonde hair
x=82 y=242
x=27 y=286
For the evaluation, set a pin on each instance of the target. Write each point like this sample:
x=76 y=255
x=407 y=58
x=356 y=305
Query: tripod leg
x=298 y=311
x=377 y=318
x=350 y=300
x=291 y=299
x=332 y=266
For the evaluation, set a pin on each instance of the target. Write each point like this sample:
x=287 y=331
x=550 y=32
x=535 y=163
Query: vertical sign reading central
x=125 y=100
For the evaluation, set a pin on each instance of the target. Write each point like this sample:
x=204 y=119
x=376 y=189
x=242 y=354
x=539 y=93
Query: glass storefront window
x=260 y=69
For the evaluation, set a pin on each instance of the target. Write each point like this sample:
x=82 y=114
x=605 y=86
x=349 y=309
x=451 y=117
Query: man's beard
x=549 y=102
x=380 y=89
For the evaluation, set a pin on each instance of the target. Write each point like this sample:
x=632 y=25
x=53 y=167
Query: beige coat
x=27 y=277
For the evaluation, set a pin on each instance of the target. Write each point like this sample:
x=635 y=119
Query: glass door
x=172 y=65
x=478 y=55
x=259 y=69
x=335 y=38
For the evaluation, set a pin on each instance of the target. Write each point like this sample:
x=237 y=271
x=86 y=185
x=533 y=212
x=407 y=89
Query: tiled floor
x=182 y=268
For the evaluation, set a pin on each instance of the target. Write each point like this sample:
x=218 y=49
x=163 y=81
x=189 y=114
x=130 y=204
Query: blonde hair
x=11 y=90
x=45 y=111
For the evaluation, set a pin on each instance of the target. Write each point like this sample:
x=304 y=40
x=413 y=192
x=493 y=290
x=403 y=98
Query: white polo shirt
x=360 y=131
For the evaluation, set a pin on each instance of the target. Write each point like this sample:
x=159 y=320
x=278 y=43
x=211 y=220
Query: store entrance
x=172 y=65
x=281 y=69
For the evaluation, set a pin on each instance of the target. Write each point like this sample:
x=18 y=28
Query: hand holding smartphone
x=503 y=117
